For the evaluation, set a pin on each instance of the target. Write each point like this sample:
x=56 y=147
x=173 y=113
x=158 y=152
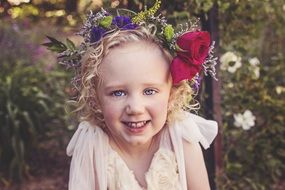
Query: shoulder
x=88 y=148
x=190 y=132
x=196 y=173
x=194 y=128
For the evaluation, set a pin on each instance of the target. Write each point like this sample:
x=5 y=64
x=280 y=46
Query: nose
x=135 y=105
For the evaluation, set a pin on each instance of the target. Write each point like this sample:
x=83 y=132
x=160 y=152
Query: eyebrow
x=107 y=88
x=153 y=84
x=110 y=87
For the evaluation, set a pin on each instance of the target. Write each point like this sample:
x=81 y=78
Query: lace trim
x=162 y=173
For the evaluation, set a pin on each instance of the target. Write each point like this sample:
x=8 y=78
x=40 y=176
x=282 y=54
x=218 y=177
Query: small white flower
x=256 y=72
x=279 y=89
x=254 y=61
x=230 y=85
x=254 y=67
x=230 y=62
x=233 y=68
x=228 y=57
x=245 y=120
x=18 y=2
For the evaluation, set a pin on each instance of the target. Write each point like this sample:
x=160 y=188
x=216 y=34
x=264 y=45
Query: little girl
x=136 y=80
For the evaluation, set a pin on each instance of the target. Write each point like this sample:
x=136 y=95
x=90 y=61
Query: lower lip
x=138 y=130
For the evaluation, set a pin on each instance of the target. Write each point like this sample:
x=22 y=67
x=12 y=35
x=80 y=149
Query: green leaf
x=48 y=44
x=70 y=45
x=29 y=121
x=56 y=49
x=70 y=57
x=106 y=22
x=53 y=40
x=55 y=45
x=43 y=105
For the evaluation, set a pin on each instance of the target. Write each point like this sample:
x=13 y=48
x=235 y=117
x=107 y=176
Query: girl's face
x=134 y=92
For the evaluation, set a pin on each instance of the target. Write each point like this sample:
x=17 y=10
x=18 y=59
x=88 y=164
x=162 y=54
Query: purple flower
x=96 y=34
x=124 y=23
x=197 y=83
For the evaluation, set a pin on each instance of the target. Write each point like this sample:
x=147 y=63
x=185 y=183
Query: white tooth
x=140 y=124
x=136 y=124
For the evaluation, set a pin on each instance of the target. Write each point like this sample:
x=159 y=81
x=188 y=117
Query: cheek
x=160 y=106
x=110 y=110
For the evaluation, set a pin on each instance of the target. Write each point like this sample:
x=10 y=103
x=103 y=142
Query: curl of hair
x=87 y=105
x=182 y=98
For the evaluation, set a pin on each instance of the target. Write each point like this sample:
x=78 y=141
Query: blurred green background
x=35 y=126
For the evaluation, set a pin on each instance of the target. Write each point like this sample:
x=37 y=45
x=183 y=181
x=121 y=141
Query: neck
x=135 y=151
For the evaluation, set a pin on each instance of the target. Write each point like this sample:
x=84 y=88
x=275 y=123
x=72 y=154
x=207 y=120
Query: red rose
x=193 y=48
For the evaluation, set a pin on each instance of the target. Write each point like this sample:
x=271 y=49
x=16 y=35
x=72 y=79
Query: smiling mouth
x=138 y=124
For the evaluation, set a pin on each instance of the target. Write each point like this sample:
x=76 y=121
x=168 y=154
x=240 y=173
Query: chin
x=139 y=141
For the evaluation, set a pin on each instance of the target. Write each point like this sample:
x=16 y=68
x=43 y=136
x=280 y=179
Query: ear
x=172 y=95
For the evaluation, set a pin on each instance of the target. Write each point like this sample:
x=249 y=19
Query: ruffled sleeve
x=193 y=129
x=197 y=129
x=88 y=150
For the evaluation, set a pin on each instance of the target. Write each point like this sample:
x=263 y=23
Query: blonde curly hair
x=87 y=106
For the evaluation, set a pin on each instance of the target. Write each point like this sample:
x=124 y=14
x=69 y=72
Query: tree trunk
x=213 y=156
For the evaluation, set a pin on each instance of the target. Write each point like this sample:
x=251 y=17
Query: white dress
x=91 y=153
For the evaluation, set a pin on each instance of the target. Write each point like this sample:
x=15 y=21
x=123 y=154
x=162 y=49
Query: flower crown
x=192 y=47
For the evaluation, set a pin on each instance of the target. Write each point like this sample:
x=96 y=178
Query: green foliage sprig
x=141 y=16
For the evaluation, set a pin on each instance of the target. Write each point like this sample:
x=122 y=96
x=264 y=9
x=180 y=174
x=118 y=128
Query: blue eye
x=150 y=92
x=118 y=93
